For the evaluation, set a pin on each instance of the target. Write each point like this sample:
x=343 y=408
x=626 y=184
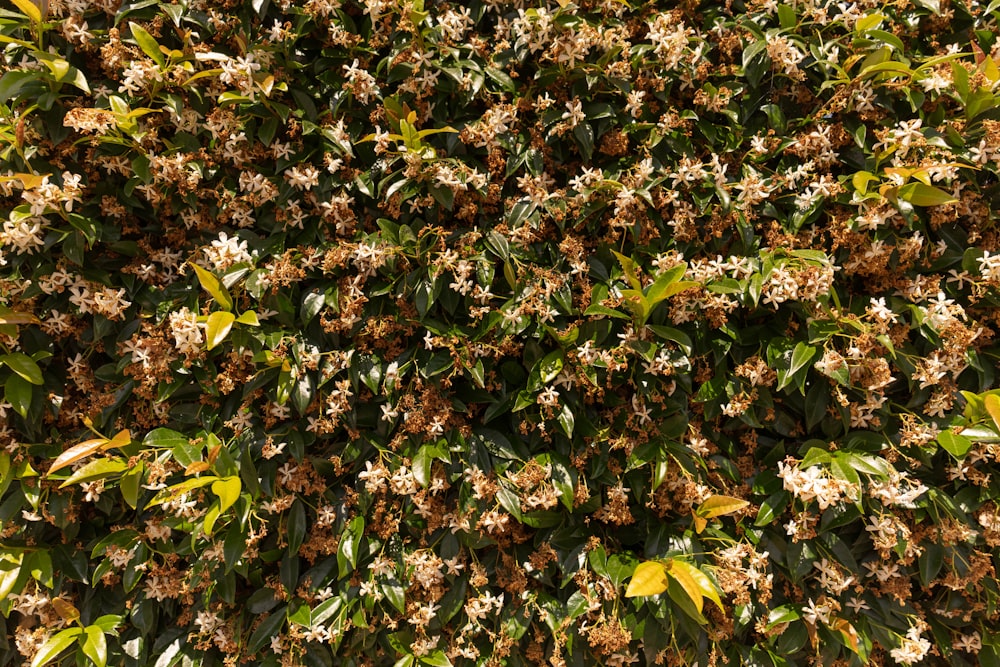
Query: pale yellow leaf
x=217 y=328
x=992 y=404
x=720 y=506
x=649 y=578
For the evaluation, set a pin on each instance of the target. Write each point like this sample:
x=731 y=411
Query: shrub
x=428 y=334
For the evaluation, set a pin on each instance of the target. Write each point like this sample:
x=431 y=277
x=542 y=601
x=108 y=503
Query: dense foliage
x=610 y=332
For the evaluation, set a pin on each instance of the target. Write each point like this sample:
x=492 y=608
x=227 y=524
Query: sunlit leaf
x=720 y=506
x=217 y=328
x=99 y=469
x=77 y=452
x=228 y=491
x=56 y=644
x=649 y=578
x=702 y=583
x=211 y=284
x=992 y=405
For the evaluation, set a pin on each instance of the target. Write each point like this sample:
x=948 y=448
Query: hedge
x=587 y=332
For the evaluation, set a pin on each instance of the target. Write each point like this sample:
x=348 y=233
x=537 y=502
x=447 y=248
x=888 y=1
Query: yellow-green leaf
x=211 y=516
x=629 y=267
x=649 y=578
x=9 y=576
x=29 y=9
x=219 y=324
x=702 y=583
x=861 y=179
x=147 y=43
x=992 y=405
x=213 y=286
x=919 y=194
x=228 y=490
x=95 y=646
x=680 y=572
x=720 y=506
x=249 y=318
x=168 y=494
x=130 y=484
x=56 y=645
x=99 y=469
x=24 y=366
x=868 y=22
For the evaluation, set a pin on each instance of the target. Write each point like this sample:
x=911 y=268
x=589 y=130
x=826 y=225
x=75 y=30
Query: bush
x=598 y=333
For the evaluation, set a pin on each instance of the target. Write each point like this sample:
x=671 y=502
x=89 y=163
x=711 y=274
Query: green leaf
x=550 y=366
x=510 y=502
x=667 y=284
x=771 y=508
x=784 y=614
x=394 y=593
x=801 y=356
x=861 y=179
x=422 y=462
x=930 y=562
x=436 y=659
x=584 y=135
x=5 y=476
x=598 y=309
x=217 y=328
x=24 y=366
x=567 y=420
x=95 y=646
x=268 y=628
x=842 y=469
x=56 y=645
x=815 y=456
x=214 y=287
x=649 y=578
x=350 y=544
x=39 y=564
x=18 y=393
x=953 y=443
x=234 y=545
x=786 y=16
x=164 y=438
x=296 y=526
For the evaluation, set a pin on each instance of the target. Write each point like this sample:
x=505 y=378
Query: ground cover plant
x=567 y=333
